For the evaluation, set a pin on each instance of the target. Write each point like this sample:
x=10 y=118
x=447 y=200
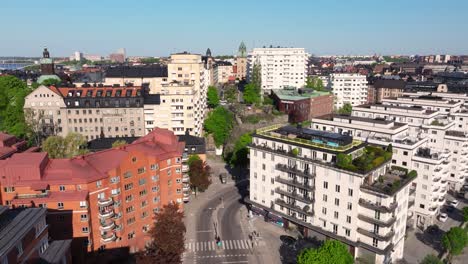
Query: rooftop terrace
x=391 y=182
x=293 y=94
x=309 y=137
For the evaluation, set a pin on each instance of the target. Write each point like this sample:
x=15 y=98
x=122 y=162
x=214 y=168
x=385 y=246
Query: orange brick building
x=102 y=200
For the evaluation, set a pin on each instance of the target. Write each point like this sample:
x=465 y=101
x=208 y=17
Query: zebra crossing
x=211 y=245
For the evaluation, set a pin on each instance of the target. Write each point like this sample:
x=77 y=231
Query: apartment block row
x=427 y=134
x=330 y=185
x=102 y=200
x=131 y=102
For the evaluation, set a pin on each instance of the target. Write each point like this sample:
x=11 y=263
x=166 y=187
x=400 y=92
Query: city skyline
x=151 y=29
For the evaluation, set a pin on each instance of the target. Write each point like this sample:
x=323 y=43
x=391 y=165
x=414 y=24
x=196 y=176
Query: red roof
x=86 y=92
x=27 y=169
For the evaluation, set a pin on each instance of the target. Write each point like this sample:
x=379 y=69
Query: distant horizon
x=153 y=28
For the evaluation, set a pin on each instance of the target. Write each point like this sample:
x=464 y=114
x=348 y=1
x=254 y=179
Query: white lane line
x=196 y=246
x=242 y=244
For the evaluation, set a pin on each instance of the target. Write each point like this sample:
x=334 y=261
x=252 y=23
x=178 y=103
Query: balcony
x=186 y=198
x=117 y=216
x=185 y=157
x=302 y=173
x=185 y=179
x=372 y=220
x=32 y=196
x=185 y=168
x=107 y=225
x=295 y=195
x=186 y=194
x=412 y=191
x=105 y=202
x=436 y=179
x=186 y=187
x=373 y=206
x=368 y=233
x=294 y=183
x=411 y=203
x=305 y=210
x=107 y=238
x=433 y=210
x=105 y=214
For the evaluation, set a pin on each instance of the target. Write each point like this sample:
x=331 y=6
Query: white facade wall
x=348 y=88
x=280 y=67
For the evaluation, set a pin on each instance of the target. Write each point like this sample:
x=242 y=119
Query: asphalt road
x=220 y=216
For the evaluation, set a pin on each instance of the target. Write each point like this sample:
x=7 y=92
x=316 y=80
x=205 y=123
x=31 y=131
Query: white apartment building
x=348 y=88
x=423 y=140
x=295 y=180
x=280 y=67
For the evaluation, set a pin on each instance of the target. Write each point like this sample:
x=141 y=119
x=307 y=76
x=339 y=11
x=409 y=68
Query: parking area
x=418 y=244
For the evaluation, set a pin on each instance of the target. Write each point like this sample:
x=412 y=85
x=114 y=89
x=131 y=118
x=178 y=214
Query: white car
x=453 y=203
x=443 y=217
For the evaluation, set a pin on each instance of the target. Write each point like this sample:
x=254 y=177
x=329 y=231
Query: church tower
x=47 y=64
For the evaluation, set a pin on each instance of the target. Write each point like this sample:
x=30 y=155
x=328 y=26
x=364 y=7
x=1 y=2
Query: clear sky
x=160 y=27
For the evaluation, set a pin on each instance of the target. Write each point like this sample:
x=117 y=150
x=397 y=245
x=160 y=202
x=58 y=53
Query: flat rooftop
x=295 y=95
x=309 y=137
x=380 y=121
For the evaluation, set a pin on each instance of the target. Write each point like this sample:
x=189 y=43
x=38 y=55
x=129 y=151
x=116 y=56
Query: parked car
x=443 y=217
x=288 y=241
x=453 y=203
x=223 y=178
x=449 y=208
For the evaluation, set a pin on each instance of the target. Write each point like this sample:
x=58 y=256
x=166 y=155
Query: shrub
x=378 y=161
x=412 y=174
x=295 y=151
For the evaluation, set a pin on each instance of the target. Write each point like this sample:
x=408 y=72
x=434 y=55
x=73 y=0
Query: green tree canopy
x=12 y=94
x=51 y=82
x=230 y=94
x=331 y=252
x=256 y=79
x=119 y=143
x=465 y=214
x=150 y=60
x=251 y=94
x=431 y=259
x=315 y=83
x=212 y=96
x=346 y=109
x=192 y=159
x=219 y=123
x=70 y=146
x=455 y=240
x=240 y=153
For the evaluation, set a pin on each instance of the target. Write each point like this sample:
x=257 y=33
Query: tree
x=168 y=237
x=219 y=123
x=70 y=146
x=256 y=79
x=431 y=259
x=455 y=240
x=230 y=94
x=51 y=82
x=212 y=96
x=12 y=94
x=251 y=94
x=150 y=60
x=192 y=159
x=332 y=251
x=465 y=214
x=314 y=83
x=119 y=143
x=346 y=109
x=240 y=153
x=200 y=175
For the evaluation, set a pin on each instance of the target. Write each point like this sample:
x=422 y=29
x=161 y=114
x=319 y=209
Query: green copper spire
x=242 y=50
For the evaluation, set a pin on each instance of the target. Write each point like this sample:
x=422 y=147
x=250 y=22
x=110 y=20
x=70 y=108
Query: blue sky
x=160 y=27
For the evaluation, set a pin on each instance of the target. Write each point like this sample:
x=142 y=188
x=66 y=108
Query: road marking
x=204 y=231
x=234 y=244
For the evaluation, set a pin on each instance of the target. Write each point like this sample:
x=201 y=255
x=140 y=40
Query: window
x=129 y=198
x=325 y=197
x=348 y=219
x=335 y=228
x=127 y=174
x=375 y=242
x=154 y=166
x=350 y=206
x=337 y=202
x=83 y=204
x=62 y=188
x=143 y=193
x=99 y=184
x=325 y=185
x=60 y=205
x=130 y=209
x=128 y=186
x=9 y=189
x=141 y=170
x=169 y=162
x=84 y=217
x=337 y=188
x=155 y=178
x=141 y=181
x=350 y=192
x=335 y=214
x=85 y=229
x=263 y=177
x=134 y=159
x=144 y=203
x=347 y=232
x=324 y=210
x=155 y=189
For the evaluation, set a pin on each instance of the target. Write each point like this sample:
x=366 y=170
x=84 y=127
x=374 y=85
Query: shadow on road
x=289 y=252
x=432 y=237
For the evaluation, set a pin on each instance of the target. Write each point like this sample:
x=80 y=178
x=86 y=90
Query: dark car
x=288 y=241
x=223 y=178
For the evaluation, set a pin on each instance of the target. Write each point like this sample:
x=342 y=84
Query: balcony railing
x=368 y=233
x=105 y=202
x=107 y=238
x=374 y=206
x=372 y=220
x=295 y=195
x=106 y=214
x=30 y=196
x=294 y=207
x=295 y=170
x=185 y=168
x=295 y=183
x=411 y=203
x=106 y=226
